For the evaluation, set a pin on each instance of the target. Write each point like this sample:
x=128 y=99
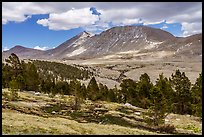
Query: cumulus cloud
x=191 y=28
x=40 y=48
x=73 y=18
x=67 y=15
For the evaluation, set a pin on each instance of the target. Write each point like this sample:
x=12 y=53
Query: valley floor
x=111 y=72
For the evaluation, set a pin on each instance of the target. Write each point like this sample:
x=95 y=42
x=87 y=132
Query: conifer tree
x=129 y=91
x=15 y=63
x=83 y=91
x=111 y=95
x=144 y=87
x=160 y=101
x=76 y=90
x=14 y=86
x=15 y=72
x=6 y=75
x=103 y=92
x=31 y=77
x=181 y=84
x=197 y=96
x=92 y=89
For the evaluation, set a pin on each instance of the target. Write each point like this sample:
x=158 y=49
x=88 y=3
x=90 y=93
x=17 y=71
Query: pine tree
x=111 y=96
x=76 y=88
x=144 y=87
x=92 y=89
x=129 y=91
x=160 y=101
x=20 y=82
x=103 y=92
x=197 y=96
x=15 y=72
x=31 y=77
x=6 y=75
x=13 y=84
x=83 y=91
x=181 y=84
x=47 y=85
x=164 y=85
x=15 y=63
x=62 y=87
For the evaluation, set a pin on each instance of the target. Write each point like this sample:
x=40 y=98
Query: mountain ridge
x=141 y=39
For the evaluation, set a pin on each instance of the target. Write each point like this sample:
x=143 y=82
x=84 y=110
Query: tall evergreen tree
x=160 y=101
x=62 y=87
x=92 y=89
x=129 y=91
x=83 y=91
x=75 y=87
x=6 y=75
x=16 y=72
x=181 y=84
x=15 y=63
x=144 y=87
x=32 y=77
x=197 y=96
x=103 y=90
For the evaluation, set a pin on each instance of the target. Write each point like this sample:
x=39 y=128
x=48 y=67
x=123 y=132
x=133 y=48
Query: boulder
x=37 y=93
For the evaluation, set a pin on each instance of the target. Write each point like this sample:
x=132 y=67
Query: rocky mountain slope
x=138 y=42
x=22 y=52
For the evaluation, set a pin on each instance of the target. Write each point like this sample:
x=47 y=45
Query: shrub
x=14 y=95
x=167 y=128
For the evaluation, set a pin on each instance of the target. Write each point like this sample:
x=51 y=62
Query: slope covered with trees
x=173 y=95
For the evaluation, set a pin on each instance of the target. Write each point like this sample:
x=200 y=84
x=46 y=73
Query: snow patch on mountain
x=182 y=47
x=76 y=52
x=129 y=52
x=81 y=40
x=152 y=44
x=188 y=45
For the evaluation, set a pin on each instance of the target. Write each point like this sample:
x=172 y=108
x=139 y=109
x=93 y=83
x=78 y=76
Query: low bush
x=167 y=128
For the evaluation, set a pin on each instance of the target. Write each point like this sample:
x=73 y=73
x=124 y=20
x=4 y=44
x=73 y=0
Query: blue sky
x=47 y=25
x=30 y=34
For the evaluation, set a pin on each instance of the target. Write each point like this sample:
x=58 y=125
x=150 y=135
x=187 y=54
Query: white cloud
x=5 y=48
x=149 y=22
x=67 y=15
x=18 y=11
x=71 y=19
x=98 y=27
x=191 y=28
x=43 y=22
x=40 y=48
x=131 y=21
x=164 y=26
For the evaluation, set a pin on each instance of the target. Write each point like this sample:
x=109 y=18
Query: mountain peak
x=120 y=41
x=18 y=46
x=84 y=34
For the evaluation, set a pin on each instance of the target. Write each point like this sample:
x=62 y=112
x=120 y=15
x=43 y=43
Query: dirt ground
x=108 y=71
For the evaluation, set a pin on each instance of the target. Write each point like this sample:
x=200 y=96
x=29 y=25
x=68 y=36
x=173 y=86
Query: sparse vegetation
x=173 y=95
x=94 y=117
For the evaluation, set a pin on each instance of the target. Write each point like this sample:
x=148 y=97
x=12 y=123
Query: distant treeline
x=176 y=94
x=61 y=71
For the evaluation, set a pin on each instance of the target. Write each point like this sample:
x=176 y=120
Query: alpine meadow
x=102 y=68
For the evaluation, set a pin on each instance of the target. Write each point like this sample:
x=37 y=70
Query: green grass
x=191 y=127
x=33 y=119
x=40 y=125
